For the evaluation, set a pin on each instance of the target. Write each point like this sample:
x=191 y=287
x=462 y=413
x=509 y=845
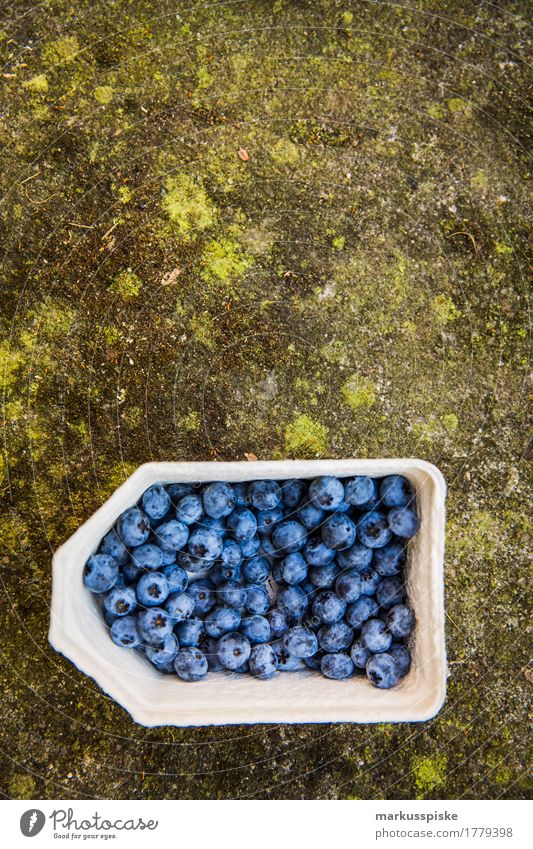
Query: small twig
x=31 y=177
x=83 y=226
x=464 y=233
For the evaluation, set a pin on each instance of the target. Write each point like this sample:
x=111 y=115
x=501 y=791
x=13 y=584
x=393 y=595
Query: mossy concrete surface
x=273 y=229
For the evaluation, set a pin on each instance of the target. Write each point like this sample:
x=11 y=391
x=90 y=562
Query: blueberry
x=396 y=491
x=233 y=650
x=168 y=555
x=154 y=625
x=232 y=594
x=338 y=531
x=337 y=666
x=300 y=641
x=177 y=491
x=133 y=527
x=389 y=559
x=172 y=535
x=162 y=656
x=348 y=586
x=335 y=637
x=191 y=563
x=278 y=623
x=203 y=593
x=390 y=591
x=190 y=664
x=264 y=495
x=357 y=557
x=361 y=491
x=179 y=607
x=147 y=556
x=216 y=525
x=328 y=607
x=382 y=671
x=231 y=553
x=359 y=654
x=205 y=544
x=403 y=521
x=240 y=490
x=223 y=573
x=208 y=646
x=100 y=573
x=326 y=492
x=152 y=589
x=286 y=662
x=219 y=499
x=292 y=492
x=373 y=530
x=257 y=599
x=176 y=577
x=323 y=577
x=124 y=632
x=131 y=572
x=317 y=553
x=288 y=537
x=402 y=658
x=256 y=629
x=190 y=631
x=189 y=509
x=375 y=635
x=369 y=581
x=361 y=610
x=156 y=502
x=310 y=516
x=222 y=620
x=268 y=519
x=263 y=662
x=242 y=524
x=293 y=568
x=292 y=601
x=251 y=546
x=112 y=545
x=400 y=621
x=120 y=602
x=256 y=570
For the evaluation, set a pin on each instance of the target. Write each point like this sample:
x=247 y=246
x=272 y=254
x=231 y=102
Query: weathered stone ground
x=353 y=284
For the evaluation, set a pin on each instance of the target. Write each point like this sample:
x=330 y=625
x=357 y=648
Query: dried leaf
x=243 y=154
x=171 y=277
x=250 y=456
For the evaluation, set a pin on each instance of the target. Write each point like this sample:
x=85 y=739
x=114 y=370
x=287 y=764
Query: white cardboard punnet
x=78 y=631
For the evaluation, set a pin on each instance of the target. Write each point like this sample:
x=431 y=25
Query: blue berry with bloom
x=373 y=530
x=361 y=491
x=233 y=650
x=292 y=492
x=120 y=602
x=190 y=631
x=391 y=591
x=323 y=577
x=190 y=664
x=177 y=578
x=375 y=635
x=403 y=521
x=179 y=607
x=232 y=594
x=100 y=573
x=156 y=502
x=400 y=621
x=370 y=581
x=242 y=524
x=152 y=589
x=361 y=610
x=162 y=656
x=257 y=599
x=335 y=637
x=268 y=519
x=357 y=557
x=154 y=625
x=310 y=516
x=133 y=527
x=288 y=537
x=256 y=629
x=250 y=547
x=189 y=509
x=317 y=553
x=278 y=623
x=337 y=666
x=263 y=662
x=348 y=586
x=112 y=545
x=221 y=620
x=359 y=654
x=172 y=535
x=328 y=607
x=402 y=658
x=205 y=544
x=338 y=532
x=293 y=568
x=147 y=556
x=292 y=601
x=124 y=632
x=264 y=495
x=218 y=499
x=382 y=671
x=389 y=560
x=256 y=570
x=300 y=641
x=326 y=492
x=204 y=595
x=396 y=491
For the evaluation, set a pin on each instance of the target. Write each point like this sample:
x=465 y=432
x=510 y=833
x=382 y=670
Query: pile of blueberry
x=262 y=577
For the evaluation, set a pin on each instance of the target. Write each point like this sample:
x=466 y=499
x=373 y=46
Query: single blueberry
x=338 y=532
x=251 y=546
x=256 y=629
x=147 y=556
x=208 y=646
x=292 y=492
x=396 y=491
x=390 y=591
x=120 y=602
x=173 y=535
x=402 y=658
x=317 y=553
x=231 y=553
x=359 y=654
x=348 y=586
x=100 y=573
x=337 y=666
x=162 y=656
x=152 y=589
x=382 y=671
x=293 y=568
x=205 y=544
x=335 y=637
x=216 y=525
x=361 y=491
x=389 y=559
x=310 y=516
x=323 y=577
x=278 y=623
x=240 y=490
x=133 y=527
x=233 y=650
x=256 y=570
x=132 y=572
x=177 y=491
x=361 y=610
x=179 y=607
x=232 y=594
x=286 y=662
x=375 y=635
x=263 y=662
x=264 y=495
x=403 y=521
x=218 y=499
x=400 y=621
x=154 y=625
x=168 y=555
x=292 y=601
x=189 y=632
x=112 y=545
x=156 y=502
x=176 y=577
x=191 y=563
x=203 y=593
x=222 y=620
x=326 y=492
x=328 y=607
x=373 y=530
x=190 y=664
x=268 y=519
x=124 y=632
x=257 y=599
x=189 y=509
x=288 y=537
x=357 y=557
x=242 y=524
x=268 y=549
x=222 y=573
x=369 y=581
x=300 y=641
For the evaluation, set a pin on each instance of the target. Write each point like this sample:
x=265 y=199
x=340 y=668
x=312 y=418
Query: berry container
x=78 y=631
